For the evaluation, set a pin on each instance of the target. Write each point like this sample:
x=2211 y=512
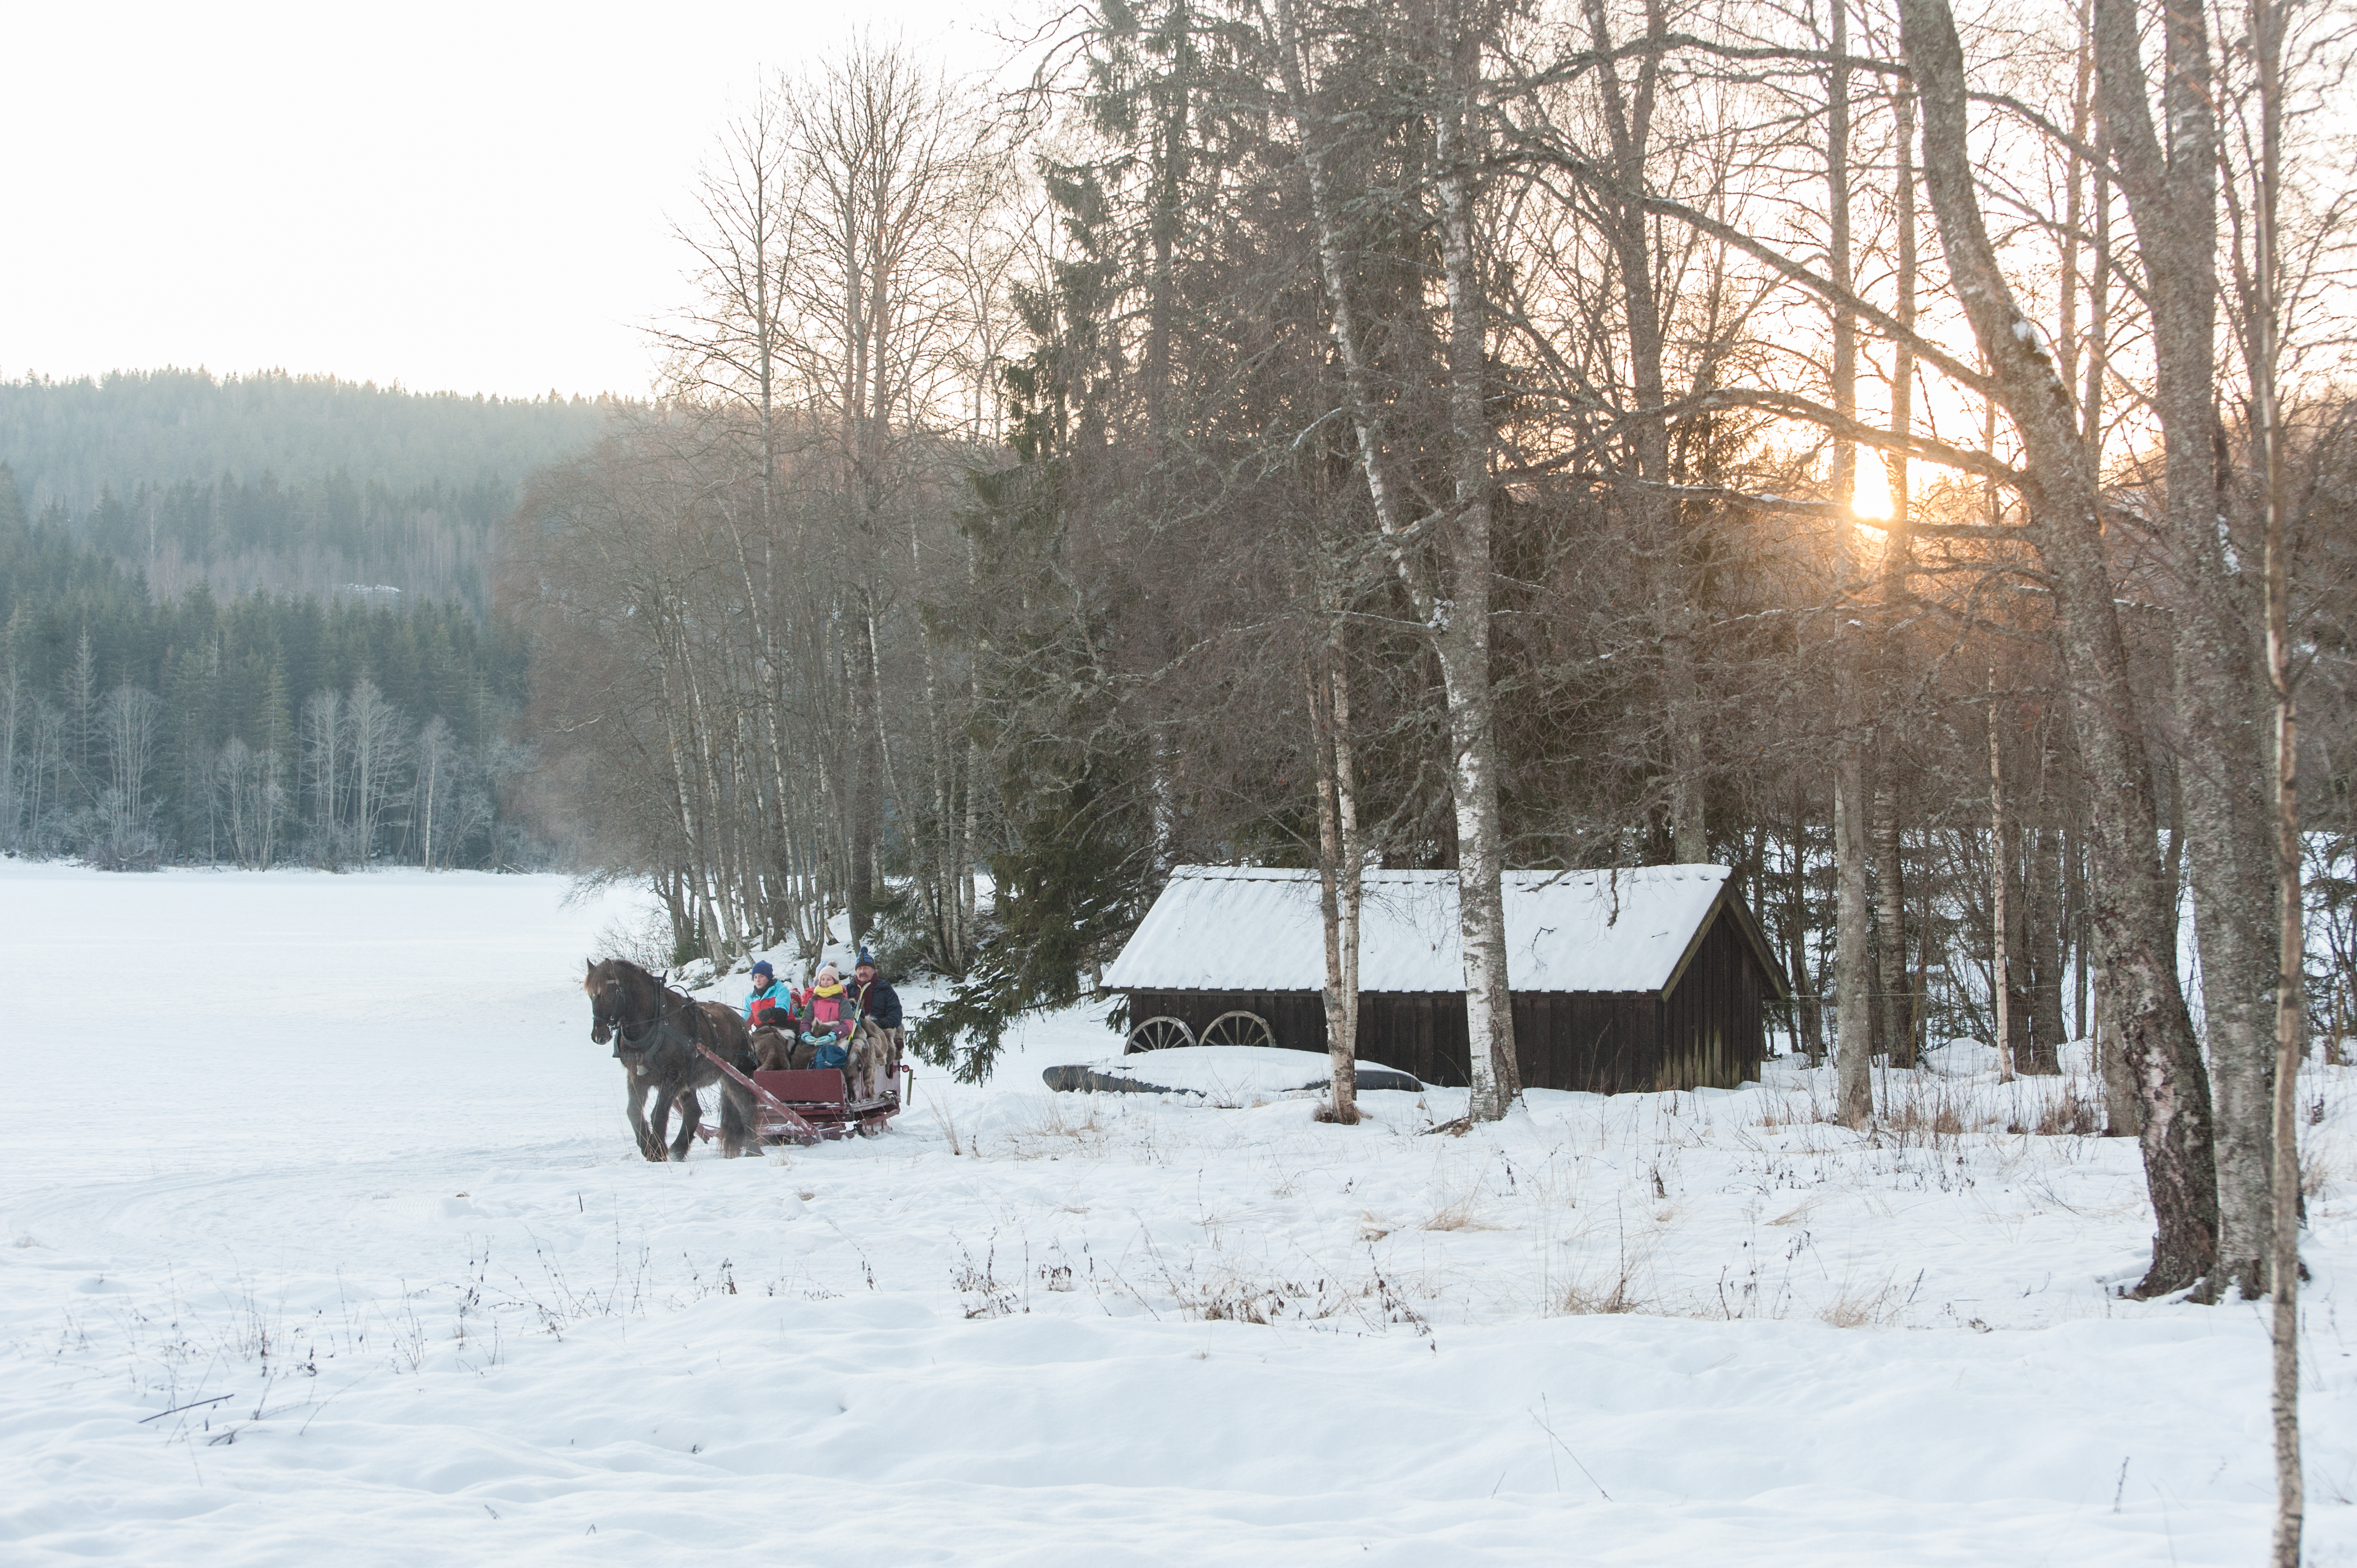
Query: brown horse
x=655 y=1031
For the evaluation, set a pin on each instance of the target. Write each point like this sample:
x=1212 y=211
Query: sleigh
x=813 y=1105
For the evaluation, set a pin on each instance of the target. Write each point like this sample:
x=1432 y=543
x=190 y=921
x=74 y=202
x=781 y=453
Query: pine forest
x=246 y=621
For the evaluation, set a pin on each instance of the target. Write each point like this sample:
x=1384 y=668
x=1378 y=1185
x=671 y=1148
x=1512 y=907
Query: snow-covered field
x=325 y=1240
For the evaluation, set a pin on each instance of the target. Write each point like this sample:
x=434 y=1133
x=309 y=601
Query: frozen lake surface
x=325 y=1240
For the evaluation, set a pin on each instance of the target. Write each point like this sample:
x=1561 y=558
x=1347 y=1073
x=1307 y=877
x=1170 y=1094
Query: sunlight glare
x=1869 y=500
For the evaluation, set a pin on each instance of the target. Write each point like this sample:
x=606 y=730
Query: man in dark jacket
x=872 y=994
x=873 y=1000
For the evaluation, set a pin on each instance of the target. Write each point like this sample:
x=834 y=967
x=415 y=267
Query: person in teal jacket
x=771 y=1005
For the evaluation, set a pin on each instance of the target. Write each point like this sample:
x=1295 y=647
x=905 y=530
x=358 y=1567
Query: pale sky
x=471 y=197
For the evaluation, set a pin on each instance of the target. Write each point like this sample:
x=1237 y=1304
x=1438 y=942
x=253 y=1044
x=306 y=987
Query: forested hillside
x=296 y=484
x=253 y=729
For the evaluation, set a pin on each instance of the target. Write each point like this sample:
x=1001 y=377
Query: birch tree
x=1442 y=557
x=1341 y=857
x=1853 y=834
x=1898 y=549
x=373 y=744
x=2168 y=174
x=323 y=770
x=886 y=167
x=2132 y=917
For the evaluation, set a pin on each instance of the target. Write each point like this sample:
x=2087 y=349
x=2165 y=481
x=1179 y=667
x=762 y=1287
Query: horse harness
x=637 y=1043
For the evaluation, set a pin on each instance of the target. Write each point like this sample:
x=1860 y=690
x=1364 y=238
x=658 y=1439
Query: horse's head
x=606 y=998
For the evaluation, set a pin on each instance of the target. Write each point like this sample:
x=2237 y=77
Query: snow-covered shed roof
x=1225 y=928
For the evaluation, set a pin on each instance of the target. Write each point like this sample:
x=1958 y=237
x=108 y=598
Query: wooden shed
x=1648 y=978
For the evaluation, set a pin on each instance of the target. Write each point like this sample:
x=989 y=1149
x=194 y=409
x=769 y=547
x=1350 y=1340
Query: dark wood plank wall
x=1604 y=1042
x=1422 y=1032
x=1714 y=1018
x=1709 y=1033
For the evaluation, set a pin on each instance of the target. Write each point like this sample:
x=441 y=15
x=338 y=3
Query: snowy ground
x=325 y=1237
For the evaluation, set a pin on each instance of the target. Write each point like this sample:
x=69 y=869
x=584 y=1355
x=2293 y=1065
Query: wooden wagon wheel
x=1239 y=1029
x=1157 y=1035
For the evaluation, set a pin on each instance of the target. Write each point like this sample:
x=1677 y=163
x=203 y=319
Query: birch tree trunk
x=2290 y=999
x=2262 y=310
x=1853 y=1047
x=2171 y=185
x=1462 y=620
x=1808 y=1007
x=1901 y=1000
x=1354 y=860
x=2134 y=922
x=2043 y=931
x=2123 y=1112
x=1890 y=912
x=1338 y=884
x=2000 y=909
x=1855 y=960
x=1454 y=607
x=433 y=773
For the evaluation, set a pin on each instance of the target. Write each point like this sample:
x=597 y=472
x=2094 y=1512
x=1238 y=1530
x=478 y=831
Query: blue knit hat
x=761 y=966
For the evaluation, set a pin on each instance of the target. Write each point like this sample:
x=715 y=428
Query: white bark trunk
x=1454 y=611
x=1854 y=1046
x=2000 y=879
